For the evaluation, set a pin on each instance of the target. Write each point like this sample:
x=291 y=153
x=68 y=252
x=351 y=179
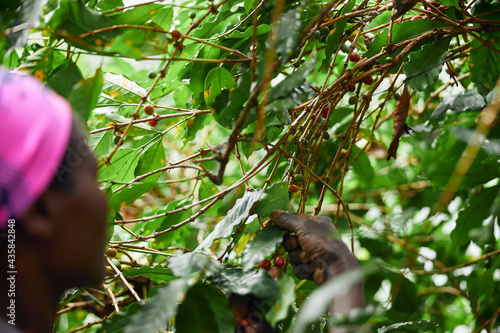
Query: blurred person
x=53 y=215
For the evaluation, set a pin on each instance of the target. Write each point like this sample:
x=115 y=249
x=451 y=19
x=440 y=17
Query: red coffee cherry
x=275 y=272
x=351 y=87
x=368 y=80
x=265 y=264
x=293 y=188
x=416 y=17
x=176 y=34
x=153 y=122
x=324 y=112
x=279 y=262
x=354 y=57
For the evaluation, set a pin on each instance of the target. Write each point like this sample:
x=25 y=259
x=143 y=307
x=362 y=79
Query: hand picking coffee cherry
x=290 y=242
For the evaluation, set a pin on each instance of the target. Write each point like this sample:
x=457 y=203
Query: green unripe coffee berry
x=192 y=15
x=152 y=75
x=110 y=252
x=149 y=110
x=353 y=100
x=298 y=178
x=345 y=48
x=280 y=250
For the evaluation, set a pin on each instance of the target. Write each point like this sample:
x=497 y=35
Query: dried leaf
x=400 y=127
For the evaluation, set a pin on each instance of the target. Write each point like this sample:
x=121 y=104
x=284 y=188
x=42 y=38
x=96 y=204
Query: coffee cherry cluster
x=150 y=110
x=279 y=263
x=368 y=80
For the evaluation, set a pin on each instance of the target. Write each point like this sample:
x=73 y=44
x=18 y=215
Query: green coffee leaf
x=484 y=63
x=203 y=311
x=425 y=65
x=473 y=215
x=218 y=79
x=274 y=197
x=235 y=216
x=260 y=247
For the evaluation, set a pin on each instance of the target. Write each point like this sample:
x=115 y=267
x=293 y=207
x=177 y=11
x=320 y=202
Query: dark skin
x=321 y=255
x=59 y=244
x=316 y=252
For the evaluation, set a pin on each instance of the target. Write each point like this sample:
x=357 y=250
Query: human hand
x=316 y=250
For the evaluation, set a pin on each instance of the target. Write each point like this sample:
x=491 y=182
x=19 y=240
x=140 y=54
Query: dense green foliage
x=247 y=95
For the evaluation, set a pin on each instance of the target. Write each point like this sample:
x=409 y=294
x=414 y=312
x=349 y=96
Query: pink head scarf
x=35 y=125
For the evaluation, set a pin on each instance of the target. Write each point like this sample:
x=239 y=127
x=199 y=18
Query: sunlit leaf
x=235 y=216
x=217 y=80
x=117 y=88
